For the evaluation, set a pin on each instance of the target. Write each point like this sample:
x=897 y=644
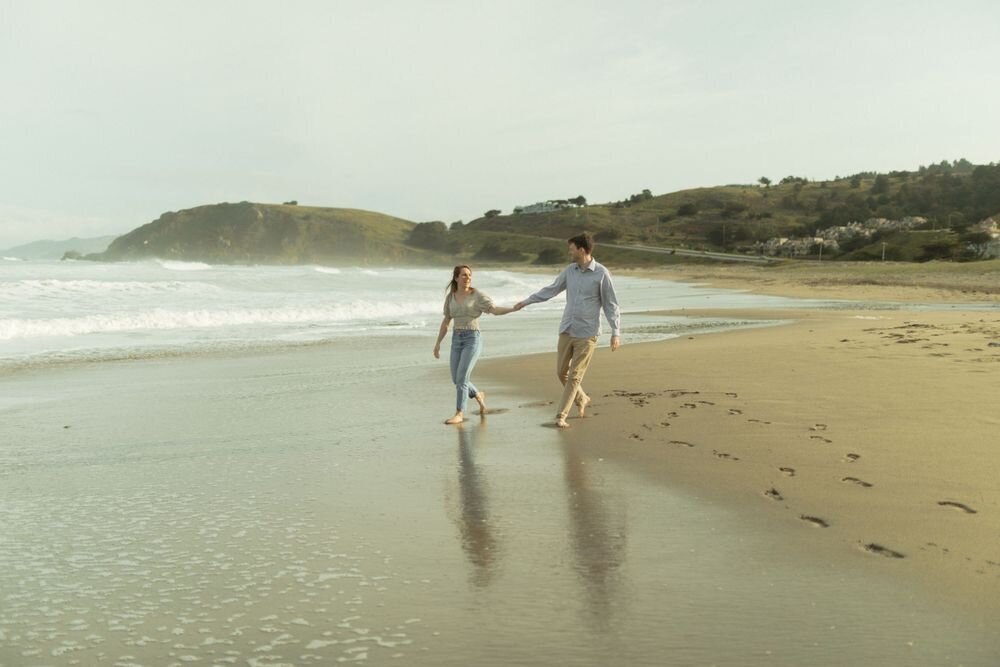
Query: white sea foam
x=174 y=265
x=53 y=288
x=12 y=259
x=162 y=319
x=327 y=269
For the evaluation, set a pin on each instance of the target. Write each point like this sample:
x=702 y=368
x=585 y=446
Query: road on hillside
x=687 y=252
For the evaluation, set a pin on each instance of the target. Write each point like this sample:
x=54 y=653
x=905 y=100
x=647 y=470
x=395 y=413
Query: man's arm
x=546 y=293
x=609 y=301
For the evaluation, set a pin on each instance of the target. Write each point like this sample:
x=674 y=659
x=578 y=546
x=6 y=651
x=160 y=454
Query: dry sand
x=871 y=433
x=880 y=281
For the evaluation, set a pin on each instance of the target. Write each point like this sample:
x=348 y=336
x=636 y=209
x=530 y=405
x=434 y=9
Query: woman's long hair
x=453 y=285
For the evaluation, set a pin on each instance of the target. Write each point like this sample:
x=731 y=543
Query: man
x=588 y=291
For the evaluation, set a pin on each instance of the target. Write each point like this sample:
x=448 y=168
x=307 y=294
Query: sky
x=116 y=111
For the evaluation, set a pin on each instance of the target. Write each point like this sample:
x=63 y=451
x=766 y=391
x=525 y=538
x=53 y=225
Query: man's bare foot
x=584 y=404
x=457 y=419
x=481 y=399
x=561 y=423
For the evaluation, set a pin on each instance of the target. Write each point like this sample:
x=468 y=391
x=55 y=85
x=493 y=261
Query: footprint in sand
x=734 y=411
x=635 y=436
x=672 y=414
x=536 y=404
x=773 y=494
x=819 y=437
x=758 y=421
x=880 y=550
x=732 y=394
x=706 y=402
x=664 y=424
x=851 y=458
x=790 y=472
x=681 y=442
x=689 y=406
x=725 y=455
x=818 y=427
x=859 y=482
x=959 y=506
x=495 y=411
x=677 y=393
x=814 y=520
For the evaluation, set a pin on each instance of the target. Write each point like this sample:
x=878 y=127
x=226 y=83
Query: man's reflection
x=597 y=537
x=479 y=540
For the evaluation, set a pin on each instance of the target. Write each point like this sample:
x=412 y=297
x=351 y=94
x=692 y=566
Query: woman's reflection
x=479 y=540
x=597 y=537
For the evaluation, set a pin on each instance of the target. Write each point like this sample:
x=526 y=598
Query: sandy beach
x=933 y=282
x=869 y=434
x=819 y=492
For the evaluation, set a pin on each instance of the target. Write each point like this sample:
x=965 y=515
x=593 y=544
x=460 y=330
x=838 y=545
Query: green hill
x=269 y=234
x=951 y=196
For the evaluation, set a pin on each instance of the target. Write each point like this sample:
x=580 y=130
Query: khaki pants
x=572 y=359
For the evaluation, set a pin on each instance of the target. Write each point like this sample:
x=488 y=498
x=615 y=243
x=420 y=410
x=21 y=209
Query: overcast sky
x=115 y=111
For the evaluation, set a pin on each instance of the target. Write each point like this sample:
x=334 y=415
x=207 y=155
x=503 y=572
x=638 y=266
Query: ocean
x=208 y=465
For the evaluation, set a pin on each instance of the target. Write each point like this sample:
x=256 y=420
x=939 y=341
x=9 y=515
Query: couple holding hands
x=589 y=290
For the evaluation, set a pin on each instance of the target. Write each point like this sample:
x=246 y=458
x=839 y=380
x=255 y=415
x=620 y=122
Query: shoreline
x=866 y=434
x=862 y=281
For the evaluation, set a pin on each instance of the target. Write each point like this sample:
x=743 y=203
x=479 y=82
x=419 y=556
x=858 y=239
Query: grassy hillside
x=271 y=234
x=951 y=196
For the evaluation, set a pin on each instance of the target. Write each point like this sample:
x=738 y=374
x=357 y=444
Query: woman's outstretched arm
x=499 y=310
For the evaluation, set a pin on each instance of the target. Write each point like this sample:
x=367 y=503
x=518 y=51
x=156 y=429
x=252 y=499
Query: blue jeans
x=465 y=348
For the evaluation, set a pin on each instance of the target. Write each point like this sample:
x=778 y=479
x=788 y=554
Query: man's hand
x=518 y=306
x=437 y=351
x=616 y=342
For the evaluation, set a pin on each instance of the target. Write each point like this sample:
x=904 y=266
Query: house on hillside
x=546 y=206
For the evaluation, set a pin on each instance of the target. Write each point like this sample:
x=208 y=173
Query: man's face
x=574 y=253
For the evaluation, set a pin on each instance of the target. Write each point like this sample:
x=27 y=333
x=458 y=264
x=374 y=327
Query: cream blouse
x=466 y=314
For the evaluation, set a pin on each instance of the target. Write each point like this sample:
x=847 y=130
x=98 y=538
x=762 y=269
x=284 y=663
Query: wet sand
x=867 y=435
x=293 y=509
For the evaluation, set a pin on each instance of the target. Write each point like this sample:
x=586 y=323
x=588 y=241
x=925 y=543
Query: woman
x=464 y=304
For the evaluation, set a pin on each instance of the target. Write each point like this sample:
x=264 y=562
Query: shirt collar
x=590 y=267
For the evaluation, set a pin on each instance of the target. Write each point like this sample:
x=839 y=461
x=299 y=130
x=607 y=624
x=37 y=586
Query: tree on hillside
x=765 y=181
x=687 y=209
x=430 y=235
x=579 y=200
x=881 y=185
x=492 y=213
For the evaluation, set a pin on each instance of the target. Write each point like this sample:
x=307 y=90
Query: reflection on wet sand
x=597 y=537
x=479 y=539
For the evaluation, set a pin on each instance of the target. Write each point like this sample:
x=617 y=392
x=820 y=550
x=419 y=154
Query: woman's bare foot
x=481 y=399
x=561 y=423
x=457 y=419
x=584 y=404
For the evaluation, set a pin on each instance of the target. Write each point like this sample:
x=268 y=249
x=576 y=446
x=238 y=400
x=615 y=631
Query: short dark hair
x=583 y=241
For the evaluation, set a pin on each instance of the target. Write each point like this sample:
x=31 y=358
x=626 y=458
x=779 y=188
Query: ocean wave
x=327 y=269
x=53 y=287
x=174 y=265
x=12 y=259
x=358 y=312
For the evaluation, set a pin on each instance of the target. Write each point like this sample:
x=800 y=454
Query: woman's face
x=464 y=278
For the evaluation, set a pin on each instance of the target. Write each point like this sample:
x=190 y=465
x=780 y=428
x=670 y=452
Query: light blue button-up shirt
x=588 y=291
